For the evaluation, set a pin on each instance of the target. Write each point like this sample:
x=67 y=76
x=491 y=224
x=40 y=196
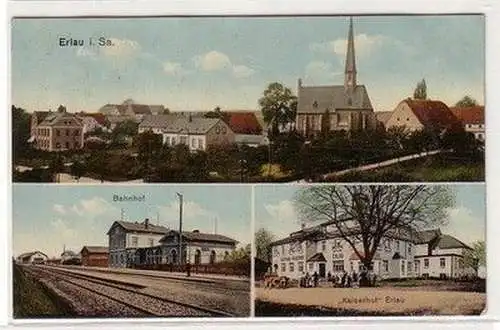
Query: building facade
x=126 y=237
x=94 y=256
x=57 y=131
x=338 y=107
x=35 y=257
x=399 y=255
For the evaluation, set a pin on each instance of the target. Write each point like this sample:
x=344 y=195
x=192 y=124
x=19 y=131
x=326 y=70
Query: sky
x=275 y=211
x=200 y=63
x=46 y=218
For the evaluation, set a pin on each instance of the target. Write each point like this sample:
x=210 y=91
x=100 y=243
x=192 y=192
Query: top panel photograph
x=289 y=99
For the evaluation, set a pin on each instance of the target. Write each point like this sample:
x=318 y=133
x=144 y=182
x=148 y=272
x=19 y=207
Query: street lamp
x=180 y=227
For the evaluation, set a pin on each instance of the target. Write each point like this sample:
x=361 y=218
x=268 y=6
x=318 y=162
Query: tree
x=278 y=106
x=466 y=101
x=476 y=257
x=61 y=108
x=263 y=240
x=20 y=132
x=126 y=128
x=420 y=92
x=363 y=215
x=77 y=169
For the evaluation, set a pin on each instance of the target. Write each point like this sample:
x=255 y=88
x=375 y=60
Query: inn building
x=401 y=254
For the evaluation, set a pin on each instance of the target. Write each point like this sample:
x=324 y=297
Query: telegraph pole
x=180 y=229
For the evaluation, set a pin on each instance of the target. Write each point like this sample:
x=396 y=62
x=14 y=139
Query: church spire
x=350 y=61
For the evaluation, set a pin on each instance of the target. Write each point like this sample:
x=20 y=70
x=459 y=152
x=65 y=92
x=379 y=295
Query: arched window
x=197 y=257
x=212 y=257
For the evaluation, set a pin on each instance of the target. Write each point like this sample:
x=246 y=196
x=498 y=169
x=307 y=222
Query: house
x=35 y=257
x=95 y=256
x=336 y=107
x=130 y=110
x=423 y=114
x=251 y=140
x=244 y=122
x=156 y=123
x=56 y=131
x=92 y=121
x=472 y=119
x=126 y=237
x=400 y=254
x=383 y=117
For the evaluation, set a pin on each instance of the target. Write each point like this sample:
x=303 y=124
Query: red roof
x=433 y=114
x=99 y=117
x=244 y=122
x=469 y=115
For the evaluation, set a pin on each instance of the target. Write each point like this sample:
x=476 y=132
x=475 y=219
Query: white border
x=285 y=7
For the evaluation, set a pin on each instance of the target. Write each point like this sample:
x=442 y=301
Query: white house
x=401 y=254
x=126 y=237
x=92 y=121
x=35 y=257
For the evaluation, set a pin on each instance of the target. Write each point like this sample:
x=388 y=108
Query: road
x=145 y=294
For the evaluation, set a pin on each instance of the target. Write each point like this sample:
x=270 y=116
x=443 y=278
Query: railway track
x=129 y=295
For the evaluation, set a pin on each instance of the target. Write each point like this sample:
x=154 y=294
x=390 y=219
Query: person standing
x=315 y=279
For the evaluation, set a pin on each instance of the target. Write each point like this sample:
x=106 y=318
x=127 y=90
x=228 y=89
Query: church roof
x=316 y=99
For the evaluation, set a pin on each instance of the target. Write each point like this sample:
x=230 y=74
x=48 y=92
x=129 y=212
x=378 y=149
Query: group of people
x=343 y=280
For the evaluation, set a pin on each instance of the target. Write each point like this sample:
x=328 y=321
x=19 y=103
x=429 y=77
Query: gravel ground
x=379 y=300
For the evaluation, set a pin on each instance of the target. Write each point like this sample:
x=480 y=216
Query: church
x=335 y=107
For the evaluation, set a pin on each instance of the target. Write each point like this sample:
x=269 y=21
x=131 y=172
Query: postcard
x=370 y=250
x=248 y=99
x=117 y=252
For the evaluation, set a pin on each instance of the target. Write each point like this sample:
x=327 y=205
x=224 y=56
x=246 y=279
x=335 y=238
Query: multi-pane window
x=402 y=267
x=311 y=266
x=323 y=245
x=135 y=241
x=442 y=262
x=338 y=266
x=300 y=265
x=292 y=266
x=426 y=263
x=283 y=267
x=385 y=265
x=151 y=242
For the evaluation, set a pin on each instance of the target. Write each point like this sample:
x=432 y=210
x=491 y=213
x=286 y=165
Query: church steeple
x=350 y=62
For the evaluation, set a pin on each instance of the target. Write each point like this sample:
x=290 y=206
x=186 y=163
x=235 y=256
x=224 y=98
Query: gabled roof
x=95 y=249
x=469 y=115
x=55 y=118
x=433 y=114
x=40 y=115
x=139 y=227
x=244 y=122
x=197 y=236
x=450 y=242
x=317 y=99
x=157 y=121
x=317 y=257
x=29 y=254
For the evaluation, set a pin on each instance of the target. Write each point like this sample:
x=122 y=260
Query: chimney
x=146 y=223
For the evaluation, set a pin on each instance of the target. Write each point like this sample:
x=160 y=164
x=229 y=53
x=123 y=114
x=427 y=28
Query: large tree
x=466 y=101
x=420 y=92
x=476 y=257
x=20 y=132
x=278 y=105
x=262 y=241
x=364 y=214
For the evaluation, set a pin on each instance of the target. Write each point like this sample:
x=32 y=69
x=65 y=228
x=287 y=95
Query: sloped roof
x=450 y=242
x=140 y=227
x=316 y=99
x=425 y=236
x=383 y=116
x=99 y=117
x=157 y=109
x=244 y=122
x=198 y=236
x=29 y=254
x=140 y=109
x=95 y=249
x=157 y=121
x=54 y=118
x=40 y=115
x=193 y=125
x=433 y=114
x=317 y=257
x=469 y=115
